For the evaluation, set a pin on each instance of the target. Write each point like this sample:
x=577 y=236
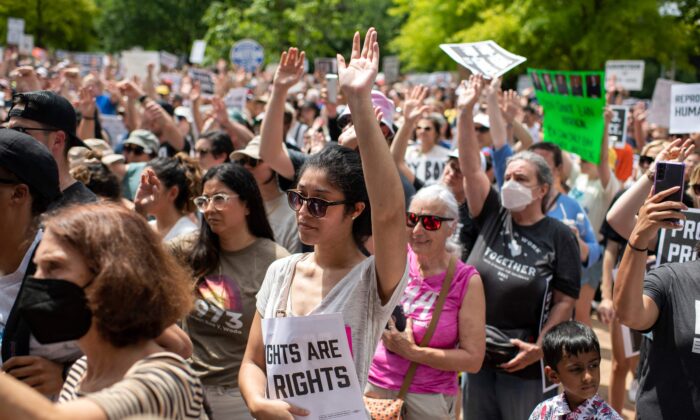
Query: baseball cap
x=378 y=100
x=482 y=119
x=108 y=155
x=48 y=108
x=252 y=149
x=30 y=162
x=454 y=154
x=145 y=139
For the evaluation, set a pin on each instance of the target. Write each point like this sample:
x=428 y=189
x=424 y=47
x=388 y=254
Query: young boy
x=572 y=358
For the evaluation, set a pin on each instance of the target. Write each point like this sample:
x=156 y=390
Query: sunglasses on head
x=317 y=207
x=482 y=129
x=247 y=160
x=645 y=160
x=137 y=150
x=428 y=221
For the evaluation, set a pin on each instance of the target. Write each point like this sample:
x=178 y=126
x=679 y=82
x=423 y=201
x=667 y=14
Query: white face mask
x=515 y=196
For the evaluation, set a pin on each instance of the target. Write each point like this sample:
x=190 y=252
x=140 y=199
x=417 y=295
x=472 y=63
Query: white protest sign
x=324 y=66
x=486 y=58
x=168 y=60
x=660 y=110
x=26 y=45
x=678 y=245
x=197 y=52
x=390 y=66
x=205 y=79
x=135 y=63
x=15 y=31
x=114 y=126
x=236 y=98
x=629 y=74
x=685 y=109
x=617 y=129
x=247 y=54
x=309 y=364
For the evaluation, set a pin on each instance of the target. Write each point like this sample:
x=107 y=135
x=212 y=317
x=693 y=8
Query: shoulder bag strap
x=433 y=324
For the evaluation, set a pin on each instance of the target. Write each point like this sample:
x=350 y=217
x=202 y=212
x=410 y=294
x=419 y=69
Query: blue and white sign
x=247 y=54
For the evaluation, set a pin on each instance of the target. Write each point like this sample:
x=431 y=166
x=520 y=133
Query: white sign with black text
x=659 y=112
x=618 y=126
x=685 y=109
x=15 y=31
x=629 y=74
x=678 y=245
x=197 y=53
x=486 y=58
x=309 y=364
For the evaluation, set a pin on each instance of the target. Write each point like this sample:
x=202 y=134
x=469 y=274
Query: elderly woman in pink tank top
x=458 y=342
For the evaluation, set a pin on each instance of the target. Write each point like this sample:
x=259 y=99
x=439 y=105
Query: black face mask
x=56 y=310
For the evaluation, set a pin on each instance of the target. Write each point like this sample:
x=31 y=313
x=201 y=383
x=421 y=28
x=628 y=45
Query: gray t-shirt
x=284 y=223
x=355 y=297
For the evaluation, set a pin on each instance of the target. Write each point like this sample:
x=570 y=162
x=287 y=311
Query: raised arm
x=604 y=166
x=412 y=110
x=498 y=124
x=288 y=73
x=477 y=188
x=356 y=79
x=195 y=102
x=240 y=134
x=87 y=107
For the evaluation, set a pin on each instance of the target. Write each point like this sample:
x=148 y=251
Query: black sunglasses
x=137 y=150
x=482 y=129
x=247 y=160
x=26 y=130
x=429 y=221
x=9 y=181
x=645 y=160
x=317 y=207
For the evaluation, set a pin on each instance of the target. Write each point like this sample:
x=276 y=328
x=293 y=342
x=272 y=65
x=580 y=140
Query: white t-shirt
x=355 y=297
x=183 y=226
x=284 y=223
x=427 y=167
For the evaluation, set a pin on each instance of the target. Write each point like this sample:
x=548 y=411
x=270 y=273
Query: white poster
x=309 y=364
x=135 y=62
x=486 y=58
x=114 y=126
x=629 y=74
x=617 y=129
x=324 y=66
x=390 y=66
x=660 y=109
x=236 y=98
x=26 y=45
x=685 y=109
x=15 y=31
x=168 y=60
x=197 y=53
x=678 y=245
x=205 y=79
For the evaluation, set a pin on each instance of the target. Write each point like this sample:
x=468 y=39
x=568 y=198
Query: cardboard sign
x=573 y=104
x=324 y=66
x=486 y=58
x=236 y=98
x=309 y=364
x=15 y=31
x=197 y=52
x=114 y=126
x=205 y=79
x=660 y=110
x=247 y=54
x=135 y=63
x=618 y=126
x=685 y=109
x=26 y=45
x=678 y=245
x=390 y=66
x=629 y=74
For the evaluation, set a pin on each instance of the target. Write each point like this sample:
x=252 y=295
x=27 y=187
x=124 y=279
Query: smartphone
x=399 y=318
x=332 y=87
x=669 y=175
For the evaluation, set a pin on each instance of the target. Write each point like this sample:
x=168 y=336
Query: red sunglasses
x=429 y=221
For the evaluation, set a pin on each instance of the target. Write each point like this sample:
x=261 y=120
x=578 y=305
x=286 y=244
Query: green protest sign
x=572 y=103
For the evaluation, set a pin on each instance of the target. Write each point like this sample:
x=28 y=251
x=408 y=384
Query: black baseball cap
x=30 y=161
x=48 y=108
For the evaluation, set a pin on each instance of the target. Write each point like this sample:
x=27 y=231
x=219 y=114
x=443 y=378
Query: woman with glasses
x=213 y=148
x=530 y=267
x=168 y=186
x=228 y=258
x=458 y=342
x=426 y=158
x=332 y=203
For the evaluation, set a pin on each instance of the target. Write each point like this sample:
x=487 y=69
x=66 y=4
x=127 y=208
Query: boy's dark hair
x=570 y=337
x=552 y=148
x=220 y=143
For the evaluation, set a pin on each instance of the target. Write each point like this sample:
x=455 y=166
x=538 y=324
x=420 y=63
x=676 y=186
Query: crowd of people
x=141 y=274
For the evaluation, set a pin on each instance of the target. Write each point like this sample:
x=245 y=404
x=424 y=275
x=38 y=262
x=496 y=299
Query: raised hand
x=357 y=76
x=471 y=91
x=413 y=105
x=220 y=112
x=510 y=105
x=607 y=115
x=86 y=105
x=494 y=87
x=290 y=69
x=130 y=89
x=195 y=93
x=150 y=189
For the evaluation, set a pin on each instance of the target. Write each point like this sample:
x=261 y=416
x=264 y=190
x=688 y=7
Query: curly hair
x=138 y=289
x=183 y=172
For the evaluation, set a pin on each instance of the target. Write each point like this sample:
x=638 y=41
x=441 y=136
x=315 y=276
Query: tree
x=558 y=34
x=65 y=24
x=170 y=25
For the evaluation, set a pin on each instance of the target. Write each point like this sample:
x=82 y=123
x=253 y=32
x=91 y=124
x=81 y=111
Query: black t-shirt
x=670 y=373
x=519 y=280
x=77 y=193
x=468 y=231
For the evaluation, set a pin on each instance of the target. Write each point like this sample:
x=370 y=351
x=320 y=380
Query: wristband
x=142 y=98
x=637 y=249
x=88 y=118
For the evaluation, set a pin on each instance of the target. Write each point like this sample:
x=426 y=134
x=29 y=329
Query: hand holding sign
x=656 y=214
x=357 y=77
x=471 y=91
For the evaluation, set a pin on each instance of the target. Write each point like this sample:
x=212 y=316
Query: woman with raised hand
x=529 y=265
x=332 y=201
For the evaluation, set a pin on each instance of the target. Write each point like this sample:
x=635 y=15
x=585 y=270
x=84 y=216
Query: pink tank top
x=418 y=301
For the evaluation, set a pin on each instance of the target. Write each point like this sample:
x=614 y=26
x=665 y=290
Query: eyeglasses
x=26 y=130
x=317 y=207
x=137 y=150
x=219 y=200
x=201 y=152
x=482 y=129
x=696 y=189
x=424 y=128
x=430 y=222
x=645 y=160
x=9 y=181
x=247 y=160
